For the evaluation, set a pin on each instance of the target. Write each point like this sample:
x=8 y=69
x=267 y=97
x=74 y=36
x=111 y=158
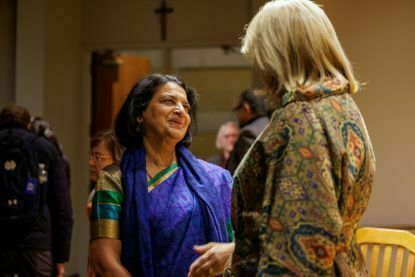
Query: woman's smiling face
x=167 y=114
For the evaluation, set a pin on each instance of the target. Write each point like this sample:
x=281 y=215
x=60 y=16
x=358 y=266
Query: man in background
x=251 y=112
x=35 y=205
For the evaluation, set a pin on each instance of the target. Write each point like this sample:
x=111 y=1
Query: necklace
x=160 y=172
x=164 y=166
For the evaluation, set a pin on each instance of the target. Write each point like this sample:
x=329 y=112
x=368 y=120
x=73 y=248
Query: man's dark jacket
x=53 y=229
x=247 y=135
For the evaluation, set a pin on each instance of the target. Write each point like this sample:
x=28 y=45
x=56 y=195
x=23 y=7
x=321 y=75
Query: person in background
x=168 y=208
x=105 y=154
x=45 y=245
x=105 y=151
x=225 y=139
x=251 y=112
x=304 y=185
x=42 y=128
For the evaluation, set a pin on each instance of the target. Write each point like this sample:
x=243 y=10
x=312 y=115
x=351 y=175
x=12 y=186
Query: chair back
x=387 y=251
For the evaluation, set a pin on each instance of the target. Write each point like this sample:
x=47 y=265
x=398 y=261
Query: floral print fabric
x=302 y=188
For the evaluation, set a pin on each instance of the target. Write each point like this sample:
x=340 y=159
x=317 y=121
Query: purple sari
x=159 y=228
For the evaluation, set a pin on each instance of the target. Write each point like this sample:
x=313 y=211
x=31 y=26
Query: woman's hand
x=213 y=259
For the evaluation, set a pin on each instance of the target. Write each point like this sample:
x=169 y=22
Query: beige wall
x=379 y=39
x=218 y=89
x=132 y=23
x=67 y=108
x=30 y=55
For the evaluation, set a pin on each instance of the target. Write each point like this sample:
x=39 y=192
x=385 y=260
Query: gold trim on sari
x=105 y=228
x=162 y=176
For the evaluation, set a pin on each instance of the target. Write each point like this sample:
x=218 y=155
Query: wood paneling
x=113 y=78
x=7 y=50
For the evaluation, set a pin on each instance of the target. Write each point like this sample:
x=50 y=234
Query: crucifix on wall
x=163 y=11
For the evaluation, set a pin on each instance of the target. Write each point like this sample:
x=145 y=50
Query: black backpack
x=20 y=190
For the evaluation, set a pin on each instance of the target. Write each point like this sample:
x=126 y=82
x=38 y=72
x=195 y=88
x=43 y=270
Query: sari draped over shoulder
x=188 y=204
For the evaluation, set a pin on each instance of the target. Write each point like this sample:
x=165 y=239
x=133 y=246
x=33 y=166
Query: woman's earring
x=139 y=127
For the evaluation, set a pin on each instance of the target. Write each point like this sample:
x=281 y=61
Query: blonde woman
x=302 y=188
x=225 y=140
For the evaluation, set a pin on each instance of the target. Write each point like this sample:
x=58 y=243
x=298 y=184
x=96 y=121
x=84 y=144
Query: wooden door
x=112 y=79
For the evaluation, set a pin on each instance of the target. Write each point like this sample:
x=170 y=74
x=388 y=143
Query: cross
x=163 y=11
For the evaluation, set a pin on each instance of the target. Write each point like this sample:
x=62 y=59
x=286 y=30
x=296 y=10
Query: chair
x=386 y=240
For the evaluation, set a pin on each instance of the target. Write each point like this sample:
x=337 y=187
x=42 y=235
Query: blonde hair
x=294 y=45
x=221 y=131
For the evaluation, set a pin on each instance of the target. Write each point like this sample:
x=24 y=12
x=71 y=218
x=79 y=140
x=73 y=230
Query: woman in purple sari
x=163 y=209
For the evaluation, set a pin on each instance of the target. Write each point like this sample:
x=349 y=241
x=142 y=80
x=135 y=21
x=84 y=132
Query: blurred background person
x=304 y=185
x=42 y=247
x=225 y=139
x=251 y=112
x=42 y=128
x=105 y=151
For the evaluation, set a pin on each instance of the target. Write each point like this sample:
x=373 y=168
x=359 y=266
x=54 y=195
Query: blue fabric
x=176 y=221
x=137 y=253
x=106 y=211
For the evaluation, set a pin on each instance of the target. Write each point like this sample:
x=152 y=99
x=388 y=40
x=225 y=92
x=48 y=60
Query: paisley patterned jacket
x=302 y=188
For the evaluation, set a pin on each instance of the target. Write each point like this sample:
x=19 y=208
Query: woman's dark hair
x=128 y=130
x=111 y=143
